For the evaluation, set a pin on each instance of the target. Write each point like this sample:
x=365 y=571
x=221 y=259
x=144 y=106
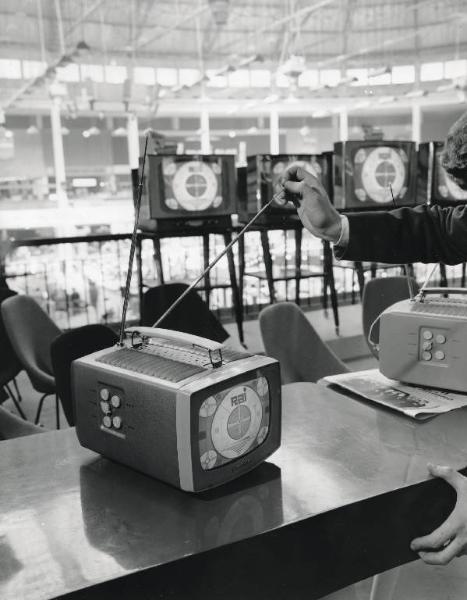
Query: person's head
x=454 y=157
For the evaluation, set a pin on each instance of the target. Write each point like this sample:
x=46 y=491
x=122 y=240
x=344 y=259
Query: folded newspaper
x=414 y=401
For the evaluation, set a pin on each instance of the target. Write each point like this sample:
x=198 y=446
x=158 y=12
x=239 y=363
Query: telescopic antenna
x=213 y=263
x=132 y=249
x=406 y=266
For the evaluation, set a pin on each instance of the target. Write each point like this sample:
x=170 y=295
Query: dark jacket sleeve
x=405 y=235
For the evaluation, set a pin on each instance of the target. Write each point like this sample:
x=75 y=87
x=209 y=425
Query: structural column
x=416 y=123
x=343 y=125
x=133 y=141
x=274 y=136
x=59 y=156
x=205 y=134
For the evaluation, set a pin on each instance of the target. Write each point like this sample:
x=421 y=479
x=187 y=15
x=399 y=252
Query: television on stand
x=258 y=180
x=434 y=183
x=366 y=171
x=188 y=193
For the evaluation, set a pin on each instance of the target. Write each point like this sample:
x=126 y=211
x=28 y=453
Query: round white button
x=439 y=355
x=440 y=339
x=426 y=356
x=105 y=407
x=104 y=394
x=427 y=334
x=115 y=401
x=427 y=345
x=107 y=421
x=117 y=422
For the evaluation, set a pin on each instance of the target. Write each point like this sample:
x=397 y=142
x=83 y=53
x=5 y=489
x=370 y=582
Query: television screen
x=434 y=182
x=261 y=177
x=191 y=186
x=233 y=422
x=366 y=171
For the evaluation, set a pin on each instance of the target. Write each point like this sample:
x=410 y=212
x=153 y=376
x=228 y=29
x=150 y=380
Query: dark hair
x=454 y=156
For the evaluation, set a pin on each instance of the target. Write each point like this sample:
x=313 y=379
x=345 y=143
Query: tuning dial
x=426 y=356
x=107 y=421
x=104 y=394
x=117 y=422
x=427 y=334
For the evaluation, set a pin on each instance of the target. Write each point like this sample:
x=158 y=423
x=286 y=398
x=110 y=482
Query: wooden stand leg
x=241 y=270
x=442 y=275
x=207 y=277
x=268 y=265
x=298 y=264
x=329 y=278
x=360 y=277
x=139 y=270
x=156 y=244
x=236 y=298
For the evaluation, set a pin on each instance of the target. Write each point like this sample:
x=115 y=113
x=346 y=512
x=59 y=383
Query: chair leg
x=39 y=408
x=15 y=401
x=57 y=411
x=18 y=394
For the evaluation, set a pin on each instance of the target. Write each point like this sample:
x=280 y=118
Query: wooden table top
x=76 y=525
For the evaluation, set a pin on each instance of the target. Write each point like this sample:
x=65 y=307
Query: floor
x=415 y=581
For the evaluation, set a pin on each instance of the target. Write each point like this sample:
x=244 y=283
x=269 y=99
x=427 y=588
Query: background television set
x=434 y=184
x=364 y=170
x=257 y=184
x=183 y=190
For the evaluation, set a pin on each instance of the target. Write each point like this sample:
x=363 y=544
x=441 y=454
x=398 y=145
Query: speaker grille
x=149 y=364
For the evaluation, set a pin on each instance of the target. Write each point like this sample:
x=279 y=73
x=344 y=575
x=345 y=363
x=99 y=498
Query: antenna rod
x=213 y=263
x=406 y=266
x=132 y=249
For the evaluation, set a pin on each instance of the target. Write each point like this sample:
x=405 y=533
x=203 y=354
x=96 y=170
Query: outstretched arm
x=421 y=234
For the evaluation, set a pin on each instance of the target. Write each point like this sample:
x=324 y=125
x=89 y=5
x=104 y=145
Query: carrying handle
x=176 y=336
x=439 y=290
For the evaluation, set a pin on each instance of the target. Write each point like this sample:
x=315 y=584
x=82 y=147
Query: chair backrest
x=31 y=332
x=378 y=294
x=289 y=337
x=192 y=315
x=10 y=365
x=69 y=346
x=12 y=426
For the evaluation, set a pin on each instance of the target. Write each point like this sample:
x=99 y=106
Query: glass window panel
x=144 y=75
x=309 y=78
x=33 y=68
x=455 y=68
x=329 y=77
x=219 y=81
x=188 y=76
x=10 y=68
x=260 y=78
x=282 y=80
x=383 y=79
x=431 y=71
x=92 y=72
x=240 y=78
x=68 y=73
x=115 y=73
x=403 y=74
x=360 y=74
x=167 y=76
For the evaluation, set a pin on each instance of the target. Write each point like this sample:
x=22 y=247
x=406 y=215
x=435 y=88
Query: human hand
x=315 y=209
x=450 y=538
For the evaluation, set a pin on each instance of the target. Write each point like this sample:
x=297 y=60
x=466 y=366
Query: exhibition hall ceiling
x=216 y=44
